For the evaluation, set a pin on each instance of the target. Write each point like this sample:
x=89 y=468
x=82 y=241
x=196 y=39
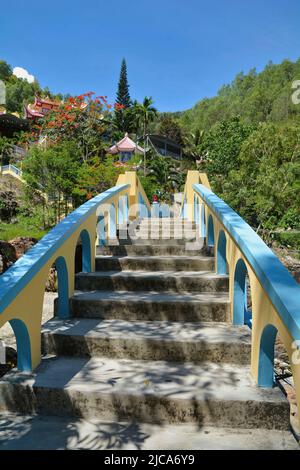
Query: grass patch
x=290 y=240
x=10 y=231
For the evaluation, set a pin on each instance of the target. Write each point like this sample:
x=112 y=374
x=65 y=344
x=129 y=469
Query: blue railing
x=277 y=282
x=22 y=272
x=12 y=168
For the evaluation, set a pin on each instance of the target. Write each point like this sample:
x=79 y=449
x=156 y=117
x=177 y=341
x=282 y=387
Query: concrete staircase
x=150 y=345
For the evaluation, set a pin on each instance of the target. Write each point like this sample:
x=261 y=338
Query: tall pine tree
x=123 y=118
x=123 y=96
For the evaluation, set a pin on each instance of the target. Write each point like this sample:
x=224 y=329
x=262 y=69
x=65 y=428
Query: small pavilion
x=125 y=148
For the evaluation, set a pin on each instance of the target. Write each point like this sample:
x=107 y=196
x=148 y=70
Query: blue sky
x=177 y=51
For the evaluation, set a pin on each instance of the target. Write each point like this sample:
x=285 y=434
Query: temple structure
x=125 y=148
x=40 y=107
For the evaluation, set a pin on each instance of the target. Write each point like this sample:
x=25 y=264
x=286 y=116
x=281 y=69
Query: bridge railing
x=22 y=287
x=11 y=169
x=241 y=253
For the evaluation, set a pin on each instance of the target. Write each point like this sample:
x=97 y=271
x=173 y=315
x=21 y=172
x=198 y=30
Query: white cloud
x=23 y=73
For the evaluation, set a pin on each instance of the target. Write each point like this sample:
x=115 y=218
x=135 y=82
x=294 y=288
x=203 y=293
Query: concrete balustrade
x=239 y=251
x=22 y=287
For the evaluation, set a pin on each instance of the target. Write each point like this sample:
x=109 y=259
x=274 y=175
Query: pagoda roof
x=125 y=145
x=40 y=101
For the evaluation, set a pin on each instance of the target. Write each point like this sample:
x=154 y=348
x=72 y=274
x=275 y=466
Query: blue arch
x=155 y=209
x=241 y=315
x=266 y=357
x=126 y=209
x=86 y=251
x=221 y=254
x=143 y=210
x=123 y=210
x=23 y=344
x=203 y=221
x=184 y=210
x=164 y=211
x=196 y=210
x=63 y=309
x=112 y=221
x=210 y=232
x=101 y=233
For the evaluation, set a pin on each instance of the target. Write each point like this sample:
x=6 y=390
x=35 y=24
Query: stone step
x=153 y=250
x=170 y=241
x=151 y=306
x=155 y=341
x=154 y=263
x=95 y=434
x=167 y=225
x=162 y=229
x=165 y=235
x=187 y=281
x=146 y=391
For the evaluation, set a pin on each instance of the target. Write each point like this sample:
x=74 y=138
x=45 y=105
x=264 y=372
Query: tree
x=5 y=70
x=223 y=144
x=82 y=119
x=265 y=186
x=256 y=97
x=94 y=177
x=123 y=96
x=123 y=118
x=53 y=171
x=170 y=128
x=6 y=150
x=167 y=175
x=193 y=149
x=19 y=92
x=145 y=113
x=8 y=205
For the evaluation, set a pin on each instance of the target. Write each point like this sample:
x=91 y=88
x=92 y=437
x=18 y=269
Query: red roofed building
x=40 y=107
x=125 y=148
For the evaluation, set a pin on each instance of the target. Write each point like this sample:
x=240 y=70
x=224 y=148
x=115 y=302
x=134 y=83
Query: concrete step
x=153 y=250
x=146 y=391
x=60 y=432
x=166 y=220
x=155 y=341
x=187 y=281
x=170 y=241
x=154 y=263
x=166 y=229
x=151 y=306
x=167 y=225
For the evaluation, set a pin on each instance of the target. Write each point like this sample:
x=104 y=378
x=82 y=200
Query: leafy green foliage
x=8 y=205
x=170 y=128
x=123 y=118
x=5 y=70
x=18 y=90
x=256 y=97
x=165 y=177
x=222 y=146
x=265 y=185
x=53 y=171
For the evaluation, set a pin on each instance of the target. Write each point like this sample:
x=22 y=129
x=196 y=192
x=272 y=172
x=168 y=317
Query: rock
x=22 y=244
x=51 y=284
x=7 y=255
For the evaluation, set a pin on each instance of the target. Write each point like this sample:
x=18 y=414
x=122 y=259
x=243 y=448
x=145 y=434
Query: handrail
x=21 y=273
x=22 y=286
x=276 y=280
x=11 y=169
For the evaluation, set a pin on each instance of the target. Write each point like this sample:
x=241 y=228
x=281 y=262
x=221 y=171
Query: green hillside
x=256 y=97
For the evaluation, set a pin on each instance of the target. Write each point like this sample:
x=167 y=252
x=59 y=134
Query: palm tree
x=136 y=118
x=144 y=114
x=194 y=147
